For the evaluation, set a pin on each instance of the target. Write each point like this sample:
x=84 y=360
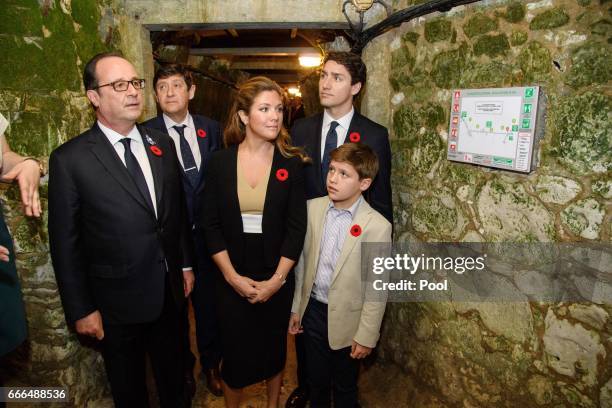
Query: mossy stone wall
x=44 y=45
x=502 y=355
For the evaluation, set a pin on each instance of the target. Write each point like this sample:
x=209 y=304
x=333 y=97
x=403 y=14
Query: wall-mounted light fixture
x=361 y=6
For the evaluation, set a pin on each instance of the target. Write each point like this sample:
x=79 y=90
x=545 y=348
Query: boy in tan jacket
x=338 y=325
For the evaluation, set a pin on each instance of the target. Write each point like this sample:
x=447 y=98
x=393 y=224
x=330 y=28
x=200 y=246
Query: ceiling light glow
x=310 y=60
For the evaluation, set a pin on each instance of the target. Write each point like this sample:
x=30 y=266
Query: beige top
x=251 y=199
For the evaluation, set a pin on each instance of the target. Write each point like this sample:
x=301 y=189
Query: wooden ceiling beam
x=261 y=51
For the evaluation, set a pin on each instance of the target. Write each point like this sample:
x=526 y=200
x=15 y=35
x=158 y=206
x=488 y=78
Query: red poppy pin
x=156 y=150
x=356 y=230
x=355 y=137
x=201 y=133
x=282 y=174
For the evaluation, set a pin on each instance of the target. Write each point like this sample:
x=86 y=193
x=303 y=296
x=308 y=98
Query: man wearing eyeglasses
x=119 y=237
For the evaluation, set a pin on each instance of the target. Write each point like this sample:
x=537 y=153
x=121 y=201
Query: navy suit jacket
x=211 y=142
x=306 y=133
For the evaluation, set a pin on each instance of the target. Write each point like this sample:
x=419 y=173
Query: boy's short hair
x=362 y=157
x=353 y=64
x=170 y=70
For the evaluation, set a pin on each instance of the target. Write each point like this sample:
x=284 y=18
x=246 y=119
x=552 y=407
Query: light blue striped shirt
x=337 y=225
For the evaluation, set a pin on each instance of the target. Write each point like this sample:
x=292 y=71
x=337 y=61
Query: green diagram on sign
x=495 y=127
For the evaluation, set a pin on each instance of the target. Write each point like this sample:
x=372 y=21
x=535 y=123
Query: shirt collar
x=115 y=137
x=344 y=121
x=352 y=209
x=188 y=121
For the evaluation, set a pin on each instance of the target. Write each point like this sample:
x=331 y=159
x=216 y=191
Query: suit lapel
x=317 y=149
x=272 y=187
x=231 y=178
x=362 y=218
x=160 y=125
x=353 y=127
x=156 y=163
x=107 y=155
x=203 y=145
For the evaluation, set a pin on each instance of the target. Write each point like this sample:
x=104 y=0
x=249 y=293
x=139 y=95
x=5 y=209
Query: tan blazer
x=349 y=317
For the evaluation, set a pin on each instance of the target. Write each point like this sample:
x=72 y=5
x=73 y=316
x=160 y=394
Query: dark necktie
x=136 y=172
x=189 y=164
x=331 y=142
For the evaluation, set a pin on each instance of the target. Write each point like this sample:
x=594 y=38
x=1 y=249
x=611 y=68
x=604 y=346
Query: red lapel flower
x=156 y=150
x=201 y=133
x=356 y=230
x=355 y=137
x=282 y=174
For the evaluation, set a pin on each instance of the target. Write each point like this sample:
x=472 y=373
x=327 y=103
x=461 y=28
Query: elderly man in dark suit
x=342 y=77
x=119 y=237
x=195 y=138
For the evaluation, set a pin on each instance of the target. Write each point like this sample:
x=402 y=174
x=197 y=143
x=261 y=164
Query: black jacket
x=306 y=133
x=210 y=142
x=284 y=214
x=108 y=249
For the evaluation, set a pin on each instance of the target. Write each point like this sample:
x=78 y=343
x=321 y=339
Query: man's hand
x=294 y=324
x=27 y=174
x=91 y=325
x=188 y=281
x=4 y=254
x=358 y=351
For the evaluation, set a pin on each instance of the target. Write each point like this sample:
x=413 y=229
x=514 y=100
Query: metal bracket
x=361 y=6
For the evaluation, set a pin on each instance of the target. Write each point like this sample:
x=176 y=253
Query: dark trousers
x=328 y=371
x=300 y=354
x=204 y=310
x=124 y=348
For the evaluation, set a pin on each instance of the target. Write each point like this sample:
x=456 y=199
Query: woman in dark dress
x=13 y=328
x=254 y=220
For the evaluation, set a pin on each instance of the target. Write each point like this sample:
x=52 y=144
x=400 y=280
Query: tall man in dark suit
x=342 y=77
x=119 y=237
x=195 y=138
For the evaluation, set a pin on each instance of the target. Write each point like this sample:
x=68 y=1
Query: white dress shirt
x=341 y=130
x=190 y=135
x=138 y=149
x=335 y=230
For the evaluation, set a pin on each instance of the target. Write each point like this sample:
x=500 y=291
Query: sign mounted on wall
x=496 y=127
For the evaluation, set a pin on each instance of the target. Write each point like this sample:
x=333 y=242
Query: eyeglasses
x=122 y=85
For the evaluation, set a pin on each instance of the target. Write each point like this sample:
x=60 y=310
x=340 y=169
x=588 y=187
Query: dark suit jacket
x=307 y=134
x=208 y=144
x=284 y=214
x=109 y=251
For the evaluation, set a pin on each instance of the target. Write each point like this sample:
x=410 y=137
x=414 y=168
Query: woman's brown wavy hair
x=235 y=131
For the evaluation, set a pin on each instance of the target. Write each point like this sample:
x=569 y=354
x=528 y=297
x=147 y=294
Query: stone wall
x=44 y=47
x=517 y=354
x=431 y=355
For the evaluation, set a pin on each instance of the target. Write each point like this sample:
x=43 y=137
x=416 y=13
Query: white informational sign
x=494 y=127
